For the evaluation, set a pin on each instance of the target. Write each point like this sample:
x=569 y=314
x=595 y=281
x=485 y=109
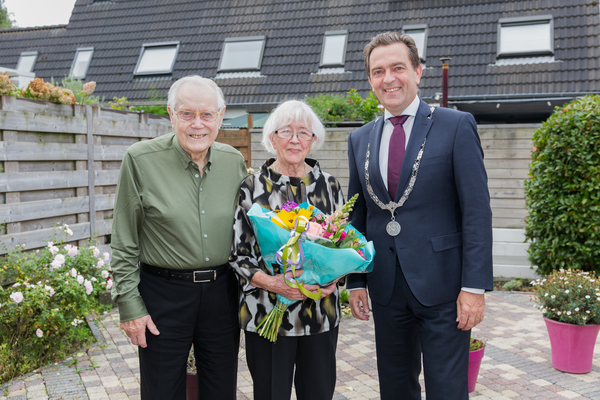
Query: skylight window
x=419 y=35
x=526 y=36
x=242 y=54
x=157 y=58
x=27 y=61
x=81 y=62
x=334 y=49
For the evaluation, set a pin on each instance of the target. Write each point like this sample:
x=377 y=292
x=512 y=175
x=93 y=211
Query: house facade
x=510 y=61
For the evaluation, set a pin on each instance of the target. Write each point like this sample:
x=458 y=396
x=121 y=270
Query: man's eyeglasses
x=206 y=116
x=287 y=133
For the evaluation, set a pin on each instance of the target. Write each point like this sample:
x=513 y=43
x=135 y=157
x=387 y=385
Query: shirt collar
x=185 y=159
x=411 y=110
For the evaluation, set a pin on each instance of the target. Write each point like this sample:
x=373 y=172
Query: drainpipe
x=444 y=61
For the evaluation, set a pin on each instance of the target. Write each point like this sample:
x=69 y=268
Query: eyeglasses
x=287 y=133
x=206 y=116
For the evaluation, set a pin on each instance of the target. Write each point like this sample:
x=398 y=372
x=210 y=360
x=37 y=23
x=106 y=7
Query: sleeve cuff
x=472 y=290
x=132 y=309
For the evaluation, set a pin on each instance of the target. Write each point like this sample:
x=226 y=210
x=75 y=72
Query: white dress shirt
x=384 y=149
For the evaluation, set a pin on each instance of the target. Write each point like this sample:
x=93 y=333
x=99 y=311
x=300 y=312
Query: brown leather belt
x=191 y=275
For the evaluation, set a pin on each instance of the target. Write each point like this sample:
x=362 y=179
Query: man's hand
x=136 y=330
x=470 y=309
x=359 y=304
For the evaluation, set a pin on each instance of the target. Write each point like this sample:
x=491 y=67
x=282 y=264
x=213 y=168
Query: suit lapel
x=419 y=131
x=374 y=170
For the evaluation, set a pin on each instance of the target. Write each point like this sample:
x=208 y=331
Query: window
x=81 y=62
x=419 y=34
x=242 y=54
x=27 y=61
x=525 y=36
x=334 y=49
x=157 y=58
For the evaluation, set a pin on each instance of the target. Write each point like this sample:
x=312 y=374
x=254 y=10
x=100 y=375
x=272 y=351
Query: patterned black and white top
x=271 y=190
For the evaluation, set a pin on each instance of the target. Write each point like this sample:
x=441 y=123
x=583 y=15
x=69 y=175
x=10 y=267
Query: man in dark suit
x=424 y=202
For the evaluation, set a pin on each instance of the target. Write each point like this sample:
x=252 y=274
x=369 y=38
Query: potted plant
x=476 y=349
x=570 y=302
x=191 y=381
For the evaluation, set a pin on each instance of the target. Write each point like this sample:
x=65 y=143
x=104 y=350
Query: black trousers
x=405 y=329
x=272 y=366
x=205 y=314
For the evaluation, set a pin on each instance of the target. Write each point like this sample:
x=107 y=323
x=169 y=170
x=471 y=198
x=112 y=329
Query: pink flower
x=326 y=235
x=72 y=252
x=315 y=229
x=106 y=257
x=88 y=88
x=73 y=272
x=95 y=250
x=360 y=253
x=79 y=279
x=17 y=297
x=104 y=274
x=58 y=261
x=109 y=284
x=53 y=250
x=88 y=287
x=100 y=264
x=39 y=333
x=342 y=236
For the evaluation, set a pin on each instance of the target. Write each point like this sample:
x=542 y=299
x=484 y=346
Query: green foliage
x=153 y=95
x=512 y=285
x=76 y=86
x=570 y=296
x=337 y=108
x=563 y=192
x=476 y=344
x=5 y=21
x=344 y=296
x=118 y=103
x=43 y=303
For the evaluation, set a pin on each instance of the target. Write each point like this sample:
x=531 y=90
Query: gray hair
x=198 y=81
x=292 y=111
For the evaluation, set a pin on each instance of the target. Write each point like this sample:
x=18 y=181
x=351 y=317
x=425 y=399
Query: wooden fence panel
x=45 y=151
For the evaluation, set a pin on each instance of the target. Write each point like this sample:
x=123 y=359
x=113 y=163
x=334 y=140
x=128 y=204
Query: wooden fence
x=45 y=152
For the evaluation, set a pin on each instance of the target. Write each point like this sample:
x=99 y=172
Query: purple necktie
x=396 y=154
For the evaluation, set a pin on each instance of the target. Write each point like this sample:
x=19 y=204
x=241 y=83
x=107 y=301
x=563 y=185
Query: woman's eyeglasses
x=287 y=133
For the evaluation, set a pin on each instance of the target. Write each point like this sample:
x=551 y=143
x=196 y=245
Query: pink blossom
x=109 y=284
x=39 y=333
x=88 y=287
x=53 y=250
x=73 y=251
x=49 y=290
x=104 y=274
x=88 y=88
x=58 y=261
x=79 y=279
x=326 y=235
x=69 y=232
x=17 y=297
x=106 y=257
x=100 y=264
x=315 y=229
x=95 y=251
x=73 y=272
x=68 y=247
x=342 y=236
x=360 y=253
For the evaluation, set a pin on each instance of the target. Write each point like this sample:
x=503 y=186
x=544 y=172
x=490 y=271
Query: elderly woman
x=307 y=337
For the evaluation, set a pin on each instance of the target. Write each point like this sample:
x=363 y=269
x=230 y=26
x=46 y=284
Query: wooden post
x=444 y=61
x=9 y=103
x=90 y=164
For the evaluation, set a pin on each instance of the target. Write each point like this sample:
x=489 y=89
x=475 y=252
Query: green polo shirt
x=167 y=215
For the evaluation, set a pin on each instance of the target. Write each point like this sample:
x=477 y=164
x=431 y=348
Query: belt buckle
x=205 y=280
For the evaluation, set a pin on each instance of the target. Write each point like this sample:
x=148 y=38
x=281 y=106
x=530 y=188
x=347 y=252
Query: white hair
x=288 y=112
x=198 y=81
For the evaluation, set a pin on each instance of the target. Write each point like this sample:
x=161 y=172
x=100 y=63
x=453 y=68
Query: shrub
x=82 y=91
x=569 y=296
x=153 y=95
x=563 y=192
x=42 y=314
x=332 y=108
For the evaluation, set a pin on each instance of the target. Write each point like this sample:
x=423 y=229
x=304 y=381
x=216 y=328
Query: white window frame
x=150 y=46
x=27 y=54
x=323 y=48
x=224 y=52
x=81 y=50
x=525 y=21
x=419 y=28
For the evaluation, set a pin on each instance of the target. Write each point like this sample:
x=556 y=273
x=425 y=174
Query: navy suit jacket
x=446 y=237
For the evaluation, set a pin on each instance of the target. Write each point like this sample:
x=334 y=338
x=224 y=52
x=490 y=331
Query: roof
x=465 y=30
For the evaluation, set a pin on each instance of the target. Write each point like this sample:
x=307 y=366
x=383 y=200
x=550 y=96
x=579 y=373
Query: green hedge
x=563 y=192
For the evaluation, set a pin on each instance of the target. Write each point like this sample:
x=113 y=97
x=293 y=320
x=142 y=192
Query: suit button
x=391 y=249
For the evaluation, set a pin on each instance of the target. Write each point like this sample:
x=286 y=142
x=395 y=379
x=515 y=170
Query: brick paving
x=517 y=363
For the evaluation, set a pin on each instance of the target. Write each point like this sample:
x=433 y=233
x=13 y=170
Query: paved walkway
x=517 y=363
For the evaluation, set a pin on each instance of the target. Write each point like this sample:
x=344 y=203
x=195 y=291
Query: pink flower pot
x=474 y=364
x=572 y=346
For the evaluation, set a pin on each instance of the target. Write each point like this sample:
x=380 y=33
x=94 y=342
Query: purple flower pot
x=474 y=364
x=572 y=346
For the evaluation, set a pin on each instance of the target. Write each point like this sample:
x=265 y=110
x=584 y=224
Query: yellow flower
x=289 y=217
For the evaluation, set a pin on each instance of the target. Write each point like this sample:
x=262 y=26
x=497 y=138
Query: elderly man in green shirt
x=171 y=240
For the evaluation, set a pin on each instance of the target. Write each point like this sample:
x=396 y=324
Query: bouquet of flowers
x=299 y=236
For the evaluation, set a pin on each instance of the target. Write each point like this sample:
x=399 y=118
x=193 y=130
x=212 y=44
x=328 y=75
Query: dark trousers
x=403 y=330
x=272 y=366
x=205 y=314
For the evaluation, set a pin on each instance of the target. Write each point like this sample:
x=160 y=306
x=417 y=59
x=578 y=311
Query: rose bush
x=44 y=301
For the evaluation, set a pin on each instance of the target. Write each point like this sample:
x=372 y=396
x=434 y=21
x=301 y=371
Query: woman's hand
x=325 y=290
x=276 y=284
